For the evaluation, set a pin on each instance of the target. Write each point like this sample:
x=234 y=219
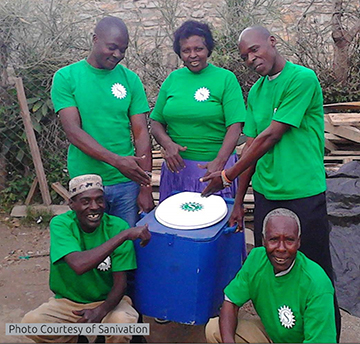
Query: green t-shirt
x=296 y=307
x=198 y=107
x=105 y=99
x=65 y=237
x=294 y=167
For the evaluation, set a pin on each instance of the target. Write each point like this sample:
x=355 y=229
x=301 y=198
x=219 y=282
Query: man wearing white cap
x=90 y=253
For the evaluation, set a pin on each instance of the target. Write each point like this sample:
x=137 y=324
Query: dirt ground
x=24 y=270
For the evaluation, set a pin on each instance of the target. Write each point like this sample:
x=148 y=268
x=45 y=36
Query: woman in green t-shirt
x=198 y=114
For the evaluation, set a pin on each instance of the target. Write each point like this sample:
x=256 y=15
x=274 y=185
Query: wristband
x=225 y=180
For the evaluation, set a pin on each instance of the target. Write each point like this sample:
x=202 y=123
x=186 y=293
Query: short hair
x=108 y=22
x=259 y=29
x=193 y=28
x=281 y=212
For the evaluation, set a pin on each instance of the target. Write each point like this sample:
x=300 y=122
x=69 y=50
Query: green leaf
x=37 y=106
x=36 y=125
x=50 y=104
x=20 y=155
x=44 y=110
x=32 y=100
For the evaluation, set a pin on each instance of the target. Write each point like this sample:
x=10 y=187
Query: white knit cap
x=83 y=183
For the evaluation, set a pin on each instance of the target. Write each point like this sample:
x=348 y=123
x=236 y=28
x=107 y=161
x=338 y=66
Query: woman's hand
x=174 y=161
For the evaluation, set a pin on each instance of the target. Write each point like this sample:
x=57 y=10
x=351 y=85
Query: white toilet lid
x=188 y=210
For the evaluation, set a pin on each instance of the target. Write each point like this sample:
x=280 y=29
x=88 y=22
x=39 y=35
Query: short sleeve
x=157 y=113
x=233 y=102
x=62 y=239
x=238 y=290
x=319 y=316
x=61 y=94
x=139 y=103
x=297 y=99
x=250 y=126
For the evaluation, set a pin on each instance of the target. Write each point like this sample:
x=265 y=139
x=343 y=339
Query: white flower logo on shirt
x=202 y=94
x=105 y=265
x=286 y=317
x=118 y=90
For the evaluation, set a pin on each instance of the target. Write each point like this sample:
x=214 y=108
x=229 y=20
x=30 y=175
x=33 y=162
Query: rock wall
x=152 y=22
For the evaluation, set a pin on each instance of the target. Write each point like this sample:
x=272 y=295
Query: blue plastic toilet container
x=181 y=274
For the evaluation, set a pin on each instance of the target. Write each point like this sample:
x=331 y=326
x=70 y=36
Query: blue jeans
x=121 y=201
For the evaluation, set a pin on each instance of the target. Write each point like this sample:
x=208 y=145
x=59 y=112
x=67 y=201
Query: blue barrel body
x=181 y=274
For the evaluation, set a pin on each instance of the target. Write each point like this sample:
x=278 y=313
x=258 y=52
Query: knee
x=31 y=317
x=122 y=317
x=212 y=331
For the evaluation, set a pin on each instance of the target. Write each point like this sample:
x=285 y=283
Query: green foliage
x=17 y=189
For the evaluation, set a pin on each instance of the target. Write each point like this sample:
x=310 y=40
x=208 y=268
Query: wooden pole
x=34 y=149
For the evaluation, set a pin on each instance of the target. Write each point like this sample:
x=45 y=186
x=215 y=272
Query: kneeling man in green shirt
x=292 y=295
x=90 y=253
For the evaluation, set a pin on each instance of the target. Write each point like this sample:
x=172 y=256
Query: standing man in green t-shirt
x=102 y=107
x=90 y=253
x=291 y=294
x=284 y=152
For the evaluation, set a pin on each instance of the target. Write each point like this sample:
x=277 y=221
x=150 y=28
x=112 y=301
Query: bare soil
x=24 y=273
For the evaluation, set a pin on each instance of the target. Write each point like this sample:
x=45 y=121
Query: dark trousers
x=315 y=231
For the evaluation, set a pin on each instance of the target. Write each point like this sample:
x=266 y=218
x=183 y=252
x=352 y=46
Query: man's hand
x=237 y=216
x=215 y=184
x=174 y=161
x=129 y=166
x=145 y=200
x=141 y=232
x=94 y=315
x=212 y=166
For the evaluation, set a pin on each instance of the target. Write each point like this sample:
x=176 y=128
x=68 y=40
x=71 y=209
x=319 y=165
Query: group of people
x=197 y=120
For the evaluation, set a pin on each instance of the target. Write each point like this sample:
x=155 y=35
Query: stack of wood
x=342 y=134
x=157 y=160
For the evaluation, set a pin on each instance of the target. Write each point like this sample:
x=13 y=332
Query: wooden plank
x=249 y=198
x=32 y=191
x=336 y=139
x=345 y=152
x=341 y=158
x=344 y=118
x=155 y=180
x=157 y=163
x=350 y=133
x=329 y=145
x=343 y=106
x=64 y=193
x=30 y=135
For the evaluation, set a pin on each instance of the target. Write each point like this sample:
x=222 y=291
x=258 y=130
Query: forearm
x=229 y=143
x=142 y=142
x=143 y=147
x=243 y=185
x=84 y=261
x=259 y=146
x=228 y=322
x=160 y=135
x=116 y=293
x=245 y=177
x=71 y=122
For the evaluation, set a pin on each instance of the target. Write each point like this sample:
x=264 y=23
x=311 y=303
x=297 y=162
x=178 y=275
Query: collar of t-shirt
x=281 y=273
x=272 y=77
